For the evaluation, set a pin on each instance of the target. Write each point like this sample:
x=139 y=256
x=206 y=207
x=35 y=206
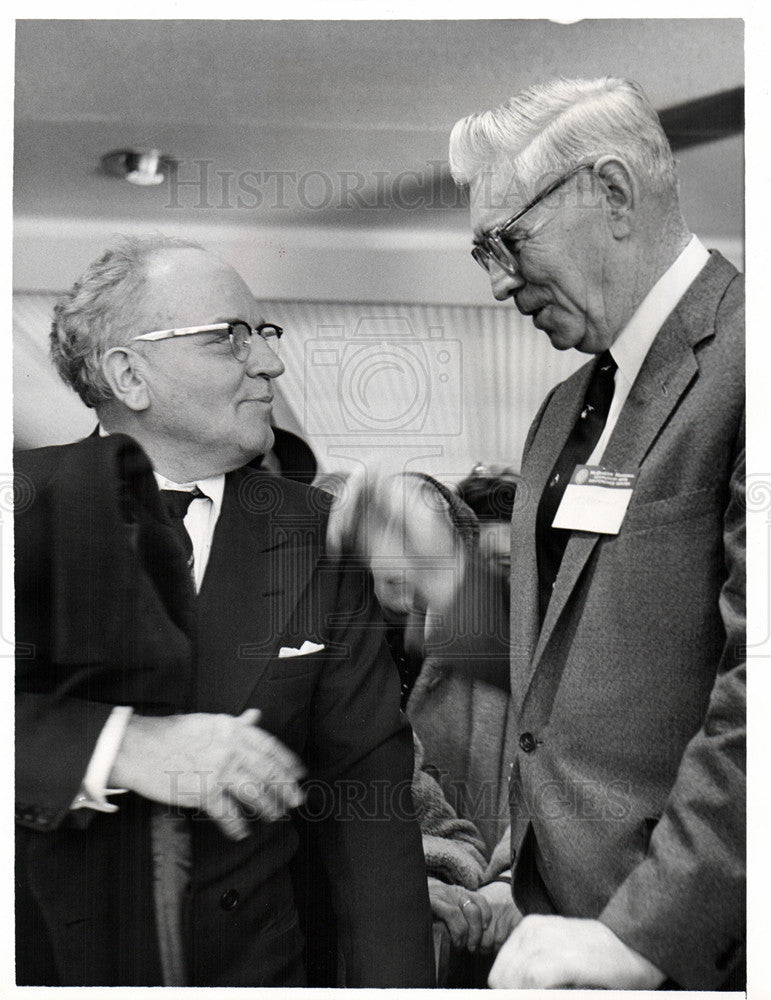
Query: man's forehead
x=190 y=279
x=179 y=263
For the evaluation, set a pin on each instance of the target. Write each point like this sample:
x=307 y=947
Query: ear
x=621 y=193
x=123 y=370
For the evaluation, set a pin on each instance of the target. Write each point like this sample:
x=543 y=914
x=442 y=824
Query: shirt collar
x=212 y=487
x=633 y=343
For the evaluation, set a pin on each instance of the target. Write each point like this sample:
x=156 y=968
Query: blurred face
x=562 y=247
x=415 y=555
x=394 y=591
x=205 y=407
x=495 y=546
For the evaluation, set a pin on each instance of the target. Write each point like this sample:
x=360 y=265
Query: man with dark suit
x=628 y=583
x=194 y=649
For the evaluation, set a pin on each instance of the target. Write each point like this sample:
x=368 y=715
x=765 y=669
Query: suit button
x=527 y=742
x=229 y=899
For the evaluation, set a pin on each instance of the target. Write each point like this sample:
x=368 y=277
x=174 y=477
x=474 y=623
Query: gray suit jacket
x=627 y=789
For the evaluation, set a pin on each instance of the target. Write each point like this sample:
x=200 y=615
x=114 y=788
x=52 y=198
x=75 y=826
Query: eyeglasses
x=239 y=334
x=493 y=245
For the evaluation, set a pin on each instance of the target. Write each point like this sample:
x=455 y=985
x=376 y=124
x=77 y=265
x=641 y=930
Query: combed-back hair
x=100 y=310
x=552 y=127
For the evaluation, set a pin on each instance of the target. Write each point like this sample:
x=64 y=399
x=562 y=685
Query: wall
x=435 y=388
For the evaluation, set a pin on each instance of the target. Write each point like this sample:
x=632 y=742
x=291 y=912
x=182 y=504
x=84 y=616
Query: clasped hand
x=222 y=764
x=476 y=921
x=550 y=952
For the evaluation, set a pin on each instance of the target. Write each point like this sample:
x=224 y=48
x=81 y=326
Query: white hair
x=550 y=128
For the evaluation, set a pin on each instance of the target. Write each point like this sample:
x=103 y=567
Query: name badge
x=595 y=499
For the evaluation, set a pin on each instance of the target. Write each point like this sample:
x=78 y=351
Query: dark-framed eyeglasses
x=239 y=334
x=495 y=246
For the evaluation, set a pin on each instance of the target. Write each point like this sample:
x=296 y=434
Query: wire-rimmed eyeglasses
x=493 y=245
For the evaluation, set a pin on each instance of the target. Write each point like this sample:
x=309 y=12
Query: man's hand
x=222 y=764
x=466 y=914
x=546 y=952
x=505 y=915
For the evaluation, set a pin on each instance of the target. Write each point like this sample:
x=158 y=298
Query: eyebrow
x=479 y=240
x=227 y=319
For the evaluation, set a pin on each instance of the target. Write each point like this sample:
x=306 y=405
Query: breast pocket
x=680 y=508
x=289 y=667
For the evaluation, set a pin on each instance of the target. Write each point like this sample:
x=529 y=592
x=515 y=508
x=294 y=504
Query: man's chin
x=259 y=444
x=560 y=339
x=566 y=340
x=250 y=451
x=267 y=440
x=544 y=320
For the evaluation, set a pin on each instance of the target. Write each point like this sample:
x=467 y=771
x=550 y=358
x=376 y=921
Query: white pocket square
x=307 y=647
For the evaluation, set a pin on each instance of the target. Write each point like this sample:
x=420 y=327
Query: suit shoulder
x=92 y=457
x=722 y=355
x=730 y=317
x=41 y=464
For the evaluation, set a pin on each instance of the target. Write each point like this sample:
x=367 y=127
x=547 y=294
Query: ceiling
x=327 y=123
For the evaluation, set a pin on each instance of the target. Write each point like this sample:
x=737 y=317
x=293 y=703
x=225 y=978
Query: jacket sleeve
x=55 y=734
x=98 y=623
x=683 y=906
x=55 y=739
x=361 y=763
x=453 y=847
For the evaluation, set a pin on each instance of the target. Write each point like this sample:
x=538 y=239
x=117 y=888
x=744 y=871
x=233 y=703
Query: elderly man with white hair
x=628 y=556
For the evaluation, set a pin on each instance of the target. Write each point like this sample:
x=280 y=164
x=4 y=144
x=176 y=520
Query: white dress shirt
x=201 y=518
x=200 y=522
x=631 y=347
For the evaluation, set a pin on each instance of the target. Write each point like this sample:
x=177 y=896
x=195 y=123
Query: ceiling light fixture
x=145 y=168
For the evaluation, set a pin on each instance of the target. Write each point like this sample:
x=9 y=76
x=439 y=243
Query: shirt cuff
x=93 y=793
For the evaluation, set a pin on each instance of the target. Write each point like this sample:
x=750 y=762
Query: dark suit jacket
x=105 y=616
x=627 y=790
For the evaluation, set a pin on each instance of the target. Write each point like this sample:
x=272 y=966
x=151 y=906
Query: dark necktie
x=176 y=503
x=586 y=432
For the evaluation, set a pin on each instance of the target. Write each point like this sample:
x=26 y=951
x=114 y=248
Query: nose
x=503 y=283
x=262 y=359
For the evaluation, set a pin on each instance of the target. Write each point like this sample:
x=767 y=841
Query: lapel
x=667 y=372
x=556 y=423
x=108 y=502
x=137 y=504
x=153 y=537
x=112 y=585
x=255 y=575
